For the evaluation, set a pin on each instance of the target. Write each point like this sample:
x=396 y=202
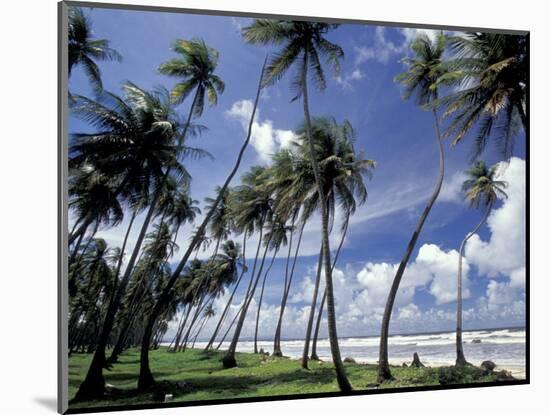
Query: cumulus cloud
x=265 y=138
x=382 y=50
x=346 y=81
x=503 y=254
x=451 y=191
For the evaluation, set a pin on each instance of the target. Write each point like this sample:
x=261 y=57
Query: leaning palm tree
x=424 y=71
x=482 y=191
x=277 y=235
x=342 y=171
x=303 y=45
x=84 y=50
x=144 y=157
x=254 y=203
x=491 y=72
x=146 y=379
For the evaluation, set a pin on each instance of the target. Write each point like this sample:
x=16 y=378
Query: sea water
x=505 y=347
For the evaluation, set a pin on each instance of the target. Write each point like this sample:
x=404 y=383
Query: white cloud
x=504 y=253
x=410 y=311
x=412 y=33
x=382 y=50
x=265 y=139
x=346 y=81
x=451 y=191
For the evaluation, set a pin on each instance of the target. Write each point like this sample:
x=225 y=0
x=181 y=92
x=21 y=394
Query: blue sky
x=397 y=134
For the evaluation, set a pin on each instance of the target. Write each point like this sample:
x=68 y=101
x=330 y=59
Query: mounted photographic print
x=259 y=207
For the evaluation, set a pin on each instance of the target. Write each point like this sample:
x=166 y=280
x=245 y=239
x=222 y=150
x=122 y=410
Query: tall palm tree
x=303 y=43
x=146 y=379
x=482 y=191
x=424 y=71
x=254 y=210
x=220 y=226
x=93 y=198
x=84 y=50
x=277 y=235
x=196 y=66
x=345 y=225
x=491 y=71
x=159 y=133
x=342 y=171
x=281 y=177
x=219 y=272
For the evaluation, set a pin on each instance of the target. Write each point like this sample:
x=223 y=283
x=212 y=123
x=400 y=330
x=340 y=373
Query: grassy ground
x=255 y=376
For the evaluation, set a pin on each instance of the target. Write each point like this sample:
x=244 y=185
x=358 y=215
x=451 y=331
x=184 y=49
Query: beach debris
x=349 y=360
x=504 y=375
x=372 y=385
x=416 y=361
x=404 y=365
x=476 y=341
x=168 y=397
x=488 y=366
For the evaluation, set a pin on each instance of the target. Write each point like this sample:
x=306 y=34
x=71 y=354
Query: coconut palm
x=277 y=235
x=220 y=226
x=246 y=231
x=482 y=191
x=84 y=50
x=93 y=195
x=93 y=279
x=218 y=273
x=303 y=45
x=160 y=133
x=491 y=72
x=253 y=211
x=146 y=379
x=421 y=79
x=342 y=171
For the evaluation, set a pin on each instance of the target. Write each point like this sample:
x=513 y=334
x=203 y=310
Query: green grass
x=255 y=376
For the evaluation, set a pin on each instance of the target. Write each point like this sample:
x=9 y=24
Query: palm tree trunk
x=277 y=340
x=123 y=248
x=200 y=306
x=146 y=379
x=460 y=358
x=305 y=353
x=314 y=355
x=260 y=302
x=384 y=372
x=237 y=314
x=181 y=328
x=229 y=358
x=228 y=304
x=341 y=377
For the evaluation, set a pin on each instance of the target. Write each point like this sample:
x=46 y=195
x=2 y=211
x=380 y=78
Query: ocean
x=505 y=347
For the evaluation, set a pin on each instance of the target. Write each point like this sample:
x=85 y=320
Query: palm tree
x=146 y=379
x=84 y=50
x=218 y=273
x=253 y=210
x=491 y=71
x=342 y=172
x=424 y=71
x=303 y=44
x=345 y=225
x=277 y=235
x=482 y=190
x=220 y=226
x=156 y=145
x=93 y=198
